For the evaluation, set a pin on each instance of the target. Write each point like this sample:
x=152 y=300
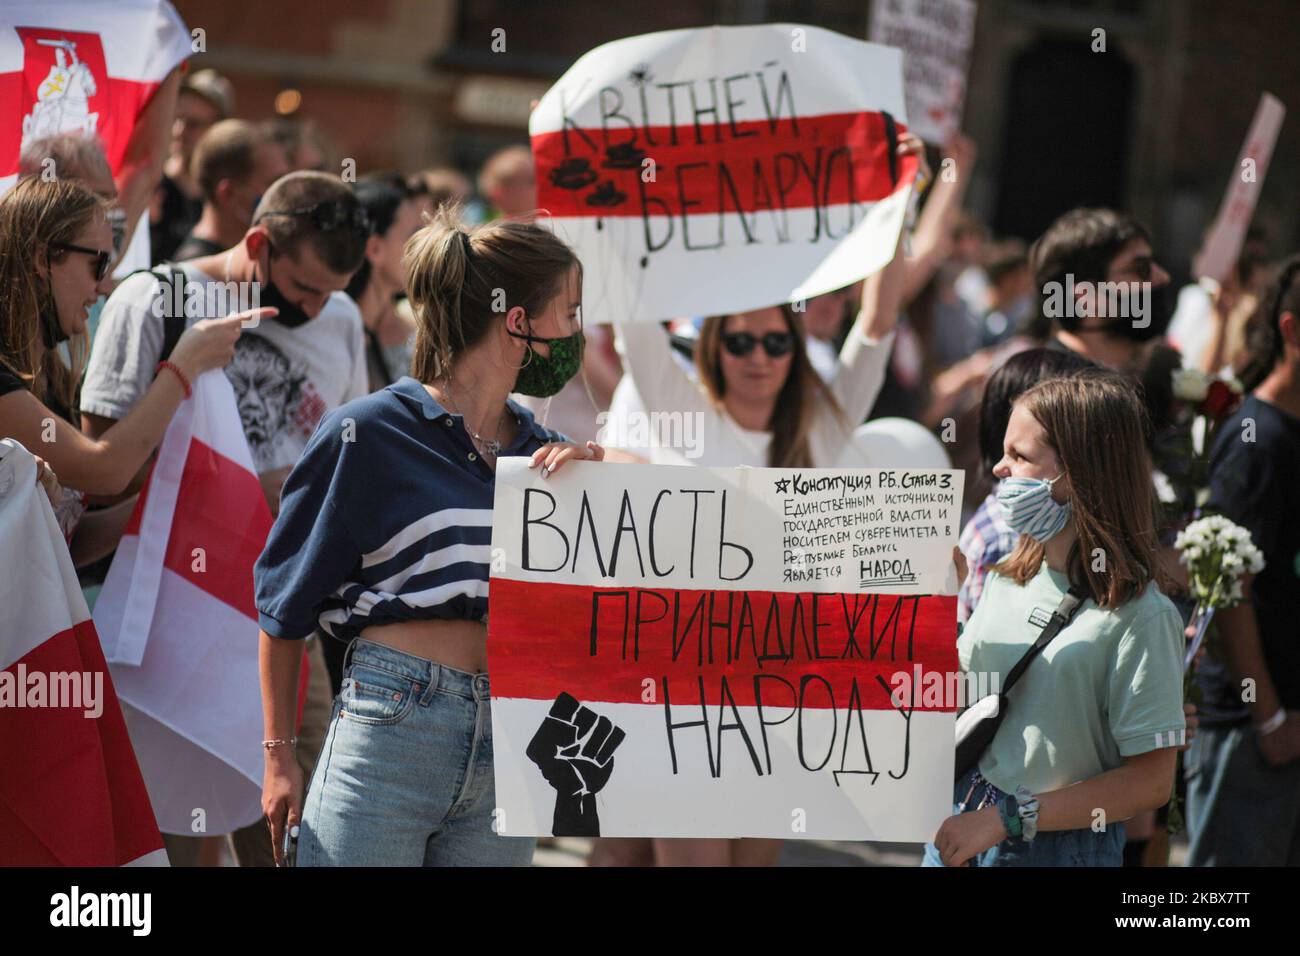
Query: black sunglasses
x=328 y=216
x=102 y=259
x=775 y=344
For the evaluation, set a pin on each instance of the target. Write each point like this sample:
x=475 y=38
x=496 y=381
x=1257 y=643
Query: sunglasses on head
x=328 y=216
x=102 y=259
x=775 y=344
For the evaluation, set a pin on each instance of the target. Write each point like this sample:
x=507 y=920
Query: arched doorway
x=1066 y=134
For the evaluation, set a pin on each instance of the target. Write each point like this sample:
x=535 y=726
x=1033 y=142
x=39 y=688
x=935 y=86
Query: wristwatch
x=1008 y=810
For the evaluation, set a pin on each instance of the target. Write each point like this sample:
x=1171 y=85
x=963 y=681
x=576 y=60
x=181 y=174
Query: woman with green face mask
x=383 y=541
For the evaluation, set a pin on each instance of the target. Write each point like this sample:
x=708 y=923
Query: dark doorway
x=1066 y=134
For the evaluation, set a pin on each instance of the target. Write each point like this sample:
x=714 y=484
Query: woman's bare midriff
x=458 y=644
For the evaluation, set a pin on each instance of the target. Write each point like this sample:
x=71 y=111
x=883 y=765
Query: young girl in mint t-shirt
x=1092 y=728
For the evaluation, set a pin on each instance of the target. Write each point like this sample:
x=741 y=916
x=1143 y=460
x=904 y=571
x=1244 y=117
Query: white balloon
x=894 y=443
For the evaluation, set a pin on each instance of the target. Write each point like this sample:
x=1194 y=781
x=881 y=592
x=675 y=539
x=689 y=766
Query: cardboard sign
x=1222 y=245
x=936 y=38
x=724 y=168
x=708 y=652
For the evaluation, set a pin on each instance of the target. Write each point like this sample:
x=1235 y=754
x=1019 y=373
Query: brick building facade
x=1153 y=124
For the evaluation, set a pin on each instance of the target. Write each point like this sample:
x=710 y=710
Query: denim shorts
x=1083 y=847
x=405 y=776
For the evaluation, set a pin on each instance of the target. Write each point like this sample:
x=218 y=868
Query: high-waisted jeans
x=405 y=776
x=1083 y=847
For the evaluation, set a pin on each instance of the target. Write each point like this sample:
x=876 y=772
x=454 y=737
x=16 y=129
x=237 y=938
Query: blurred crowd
x=948 y=339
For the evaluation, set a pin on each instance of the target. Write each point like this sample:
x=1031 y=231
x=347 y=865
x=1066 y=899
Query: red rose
x=1219 y=401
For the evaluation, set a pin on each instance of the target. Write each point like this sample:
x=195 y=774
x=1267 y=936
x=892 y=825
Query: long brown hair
x=458 y=279
x=35 y=216
x=1096 y=423
x=791 y=421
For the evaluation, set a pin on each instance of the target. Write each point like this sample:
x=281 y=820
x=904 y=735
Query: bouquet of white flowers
x=1216 y=553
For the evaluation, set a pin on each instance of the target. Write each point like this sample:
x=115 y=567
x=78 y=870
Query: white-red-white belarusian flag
x=68 y=65
x=179 y=627
x=721 y=169
x=70 y=788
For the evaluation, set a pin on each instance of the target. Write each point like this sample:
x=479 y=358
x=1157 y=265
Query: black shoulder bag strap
x=1062 y=616
x=173 y=321
x=978 y=725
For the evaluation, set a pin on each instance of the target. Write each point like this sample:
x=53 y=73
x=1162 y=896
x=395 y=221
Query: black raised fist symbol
x=574 y=749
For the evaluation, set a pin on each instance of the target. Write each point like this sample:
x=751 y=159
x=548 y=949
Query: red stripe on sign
x=71 y=793
x=747 y=167
x=219 y=528
x=822 y=646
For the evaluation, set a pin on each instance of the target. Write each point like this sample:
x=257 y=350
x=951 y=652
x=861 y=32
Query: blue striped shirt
x=386 y=517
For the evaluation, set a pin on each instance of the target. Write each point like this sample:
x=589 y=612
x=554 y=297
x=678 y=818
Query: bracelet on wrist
x=1010 y=818
x=176 y=370
x=269 y=745
x=1027 y=812
x=1272 y=724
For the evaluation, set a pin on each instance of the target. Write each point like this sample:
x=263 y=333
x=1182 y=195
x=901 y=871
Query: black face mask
x=272 y=297
x=1161 y=313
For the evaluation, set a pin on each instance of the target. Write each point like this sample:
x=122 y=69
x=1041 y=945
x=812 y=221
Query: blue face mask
x=1030 y=508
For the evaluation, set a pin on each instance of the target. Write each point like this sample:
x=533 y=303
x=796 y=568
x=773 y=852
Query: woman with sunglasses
x=758 y=401
x=55 y=250
x=757 y=398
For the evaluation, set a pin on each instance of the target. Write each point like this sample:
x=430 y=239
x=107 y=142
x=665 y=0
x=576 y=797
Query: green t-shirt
x=1108 y=686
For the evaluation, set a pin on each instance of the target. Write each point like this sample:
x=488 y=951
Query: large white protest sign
x=694 y=652
x=724 y=168
x=936 y=38
x=1222 y=245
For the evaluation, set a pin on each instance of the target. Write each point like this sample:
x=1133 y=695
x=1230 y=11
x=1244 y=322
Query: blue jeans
x=405 y=776
x=1083 y=847
x=1241 y=810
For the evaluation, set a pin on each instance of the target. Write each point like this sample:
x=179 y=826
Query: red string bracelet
x=185 y=382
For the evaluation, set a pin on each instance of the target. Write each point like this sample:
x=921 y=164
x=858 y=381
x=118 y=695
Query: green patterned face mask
x=544 y=375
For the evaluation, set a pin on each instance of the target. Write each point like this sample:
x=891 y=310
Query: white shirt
x=285 y=378
x=708 y=436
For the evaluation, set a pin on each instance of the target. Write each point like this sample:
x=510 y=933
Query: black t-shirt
x=179 y=214
x=1254 y=483
x=10 y=382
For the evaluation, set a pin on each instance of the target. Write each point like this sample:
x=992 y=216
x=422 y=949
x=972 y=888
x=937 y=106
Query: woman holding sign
x=758 y=401
x=1092 y=727
x=383 y=540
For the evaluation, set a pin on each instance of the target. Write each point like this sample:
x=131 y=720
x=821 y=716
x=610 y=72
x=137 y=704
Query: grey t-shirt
x=285 y=379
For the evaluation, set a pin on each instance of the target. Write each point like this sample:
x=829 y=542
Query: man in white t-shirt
x=307 y=239
x=288 y=371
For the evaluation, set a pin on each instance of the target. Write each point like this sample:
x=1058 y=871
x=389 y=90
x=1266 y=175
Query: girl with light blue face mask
x=1030 y=508
x=1095 y=717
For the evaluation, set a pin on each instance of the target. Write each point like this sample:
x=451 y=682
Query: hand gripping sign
x=723 y=168
x=698 y=652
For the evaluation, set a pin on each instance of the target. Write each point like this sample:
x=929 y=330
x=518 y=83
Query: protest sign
x=723 y=168
x=1222 y=245
x=936 y=38
x=712 y=652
